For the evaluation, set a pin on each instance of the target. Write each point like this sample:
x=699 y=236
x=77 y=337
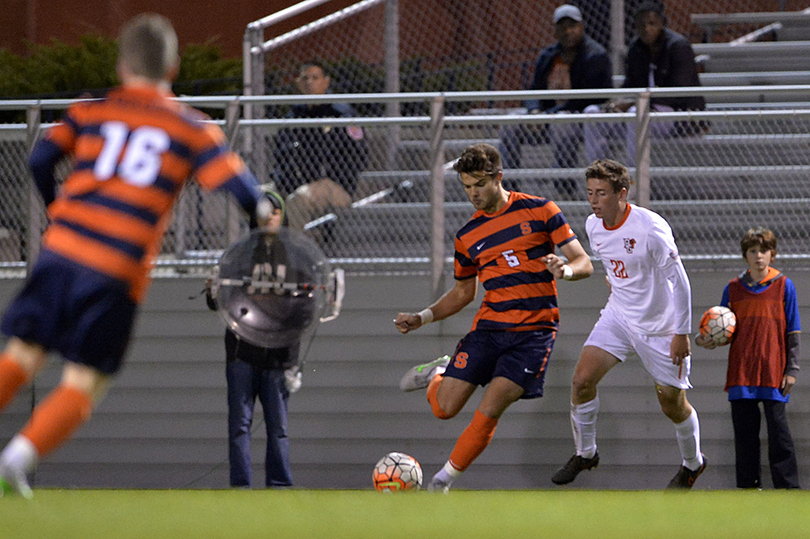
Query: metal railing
x=749 y=168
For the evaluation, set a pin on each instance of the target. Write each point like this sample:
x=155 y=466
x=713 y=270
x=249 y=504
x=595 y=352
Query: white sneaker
x=437 y=485
x=419 y=377
x=14 y=481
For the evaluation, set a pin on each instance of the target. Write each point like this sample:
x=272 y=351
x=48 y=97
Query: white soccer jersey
x=640 y=257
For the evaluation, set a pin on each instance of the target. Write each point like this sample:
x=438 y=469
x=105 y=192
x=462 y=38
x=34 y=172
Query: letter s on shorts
x=460 y=360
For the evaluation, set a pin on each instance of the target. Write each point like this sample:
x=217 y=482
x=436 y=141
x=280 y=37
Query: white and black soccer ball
x=718 y=323
x=397 y=472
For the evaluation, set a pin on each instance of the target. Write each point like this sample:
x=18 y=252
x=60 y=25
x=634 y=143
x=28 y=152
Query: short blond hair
x=147 y=45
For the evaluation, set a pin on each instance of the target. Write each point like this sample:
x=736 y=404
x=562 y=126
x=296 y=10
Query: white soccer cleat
x=14 y=481
x=419 y=377
x=437 y=485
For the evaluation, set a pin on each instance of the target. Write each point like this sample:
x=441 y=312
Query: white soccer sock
x=688 y=434
x=583 y=424
x=447 y=474
x=19 y=455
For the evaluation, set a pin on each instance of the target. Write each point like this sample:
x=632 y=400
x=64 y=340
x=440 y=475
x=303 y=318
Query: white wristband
x=426 y=316
x=567 y=272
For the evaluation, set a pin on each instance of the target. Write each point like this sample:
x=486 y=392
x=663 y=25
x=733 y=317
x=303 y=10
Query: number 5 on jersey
x=511 y=258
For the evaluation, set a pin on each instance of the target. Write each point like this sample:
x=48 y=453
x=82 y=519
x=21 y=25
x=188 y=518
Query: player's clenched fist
x=406 y=322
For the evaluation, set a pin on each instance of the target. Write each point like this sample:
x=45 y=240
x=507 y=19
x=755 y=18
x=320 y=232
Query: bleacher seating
x=735 y=168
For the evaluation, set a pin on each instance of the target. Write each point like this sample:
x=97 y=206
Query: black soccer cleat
x=575 y=464
x=685 y=477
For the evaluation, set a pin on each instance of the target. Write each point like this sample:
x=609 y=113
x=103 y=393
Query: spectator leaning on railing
x=318 y=166
x=576 y=62
x=657 y=58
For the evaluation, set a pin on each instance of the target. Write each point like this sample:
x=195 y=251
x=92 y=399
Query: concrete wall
x=163 y=423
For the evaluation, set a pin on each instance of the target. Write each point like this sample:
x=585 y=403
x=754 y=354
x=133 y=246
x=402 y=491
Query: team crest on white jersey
x=629 y=245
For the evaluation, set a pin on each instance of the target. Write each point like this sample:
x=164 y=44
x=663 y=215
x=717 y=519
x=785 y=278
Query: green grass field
x=232 y=514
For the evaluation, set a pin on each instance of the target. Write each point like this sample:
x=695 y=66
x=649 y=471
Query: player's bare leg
x=687 y=430
x=451 y=395
x=499 y=395
x=594 y=363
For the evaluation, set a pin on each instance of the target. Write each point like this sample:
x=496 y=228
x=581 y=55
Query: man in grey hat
x=575 y=61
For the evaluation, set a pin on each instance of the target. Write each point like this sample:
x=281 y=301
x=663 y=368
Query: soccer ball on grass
x=396 y=472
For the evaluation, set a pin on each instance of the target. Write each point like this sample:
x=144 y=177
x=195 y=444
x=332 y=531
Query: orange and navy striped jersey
x=132 y=153
x=504 y=249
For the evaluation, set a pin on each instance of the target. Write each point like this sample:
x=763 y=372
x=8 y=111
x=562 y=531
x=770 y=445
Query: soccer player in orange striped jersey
x=131 y=153
x=508 y=245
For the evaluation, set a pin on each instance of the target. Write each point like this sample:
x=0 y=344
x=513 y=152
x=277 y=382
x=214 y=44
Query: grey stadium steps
x=367 y=231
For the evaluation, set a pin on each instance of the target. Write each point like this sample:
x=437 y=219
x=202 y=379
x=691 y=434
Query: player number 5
x=511 y=258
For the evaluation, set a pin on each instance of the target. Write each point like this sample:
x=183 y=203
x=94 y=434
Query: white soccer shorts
x=614 y=336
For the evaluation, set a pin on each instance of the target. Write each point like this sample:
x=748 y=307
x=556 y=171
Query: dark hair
x=610 y=171
x=651 y=6
x=314 y=63
x=758 y=237
x=480 y=157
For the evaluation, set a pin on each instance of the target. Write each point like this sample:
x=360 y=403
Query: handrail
x=718 y=19
x=498 y=119
x=285 y=14
x=512 y=95
x=313 y=26
x=508 y=119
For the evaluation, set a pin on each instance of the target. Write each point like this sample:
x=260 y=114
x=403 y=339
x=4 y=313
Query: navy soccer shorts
x=85 y=316
x=520 y=356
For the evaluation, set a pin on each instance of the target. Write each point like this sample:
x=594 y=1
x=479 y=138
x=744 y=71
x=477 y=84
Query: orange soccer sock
x=57 y=417
x=12 y=378
x=432 y=390
x=473 y=441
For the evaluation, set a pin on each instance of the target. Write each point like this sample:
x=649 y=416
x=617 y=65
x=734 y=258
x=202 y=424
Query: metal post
x=36 y=215
x=617 y=47
x=232 y=214
x=643 y=150
x=392 y=109
x=252 y=83
x=436 y=196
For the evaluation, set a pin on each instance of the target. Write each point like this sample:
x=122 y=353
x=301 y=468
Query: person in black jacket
x=575 y=62
x=659 y=58
x=318 y=167
x=270 y=374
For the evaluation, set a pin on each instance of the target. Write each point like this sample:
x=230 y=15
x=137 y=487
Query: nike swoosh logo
x=598 y=244
x=527 y=371
x=480 y=245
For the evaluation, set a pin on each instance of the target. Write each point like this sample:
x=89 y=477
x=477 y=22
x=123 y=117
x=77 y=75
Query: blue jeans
x=245 y=383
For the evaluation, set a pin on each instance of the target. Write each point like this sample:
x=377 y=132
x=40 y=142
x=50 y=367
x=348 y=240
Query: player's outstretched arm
x=449 y=304
x=579 y=263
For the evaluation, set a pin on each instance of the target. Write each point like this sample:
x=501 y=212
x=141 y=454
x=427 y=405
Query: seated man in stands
x=575 y=62
x=317 y=167
x=661 y=58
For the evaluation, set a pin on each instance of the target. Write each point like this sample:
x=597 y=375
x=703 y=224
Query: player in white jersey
x=647 y=314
